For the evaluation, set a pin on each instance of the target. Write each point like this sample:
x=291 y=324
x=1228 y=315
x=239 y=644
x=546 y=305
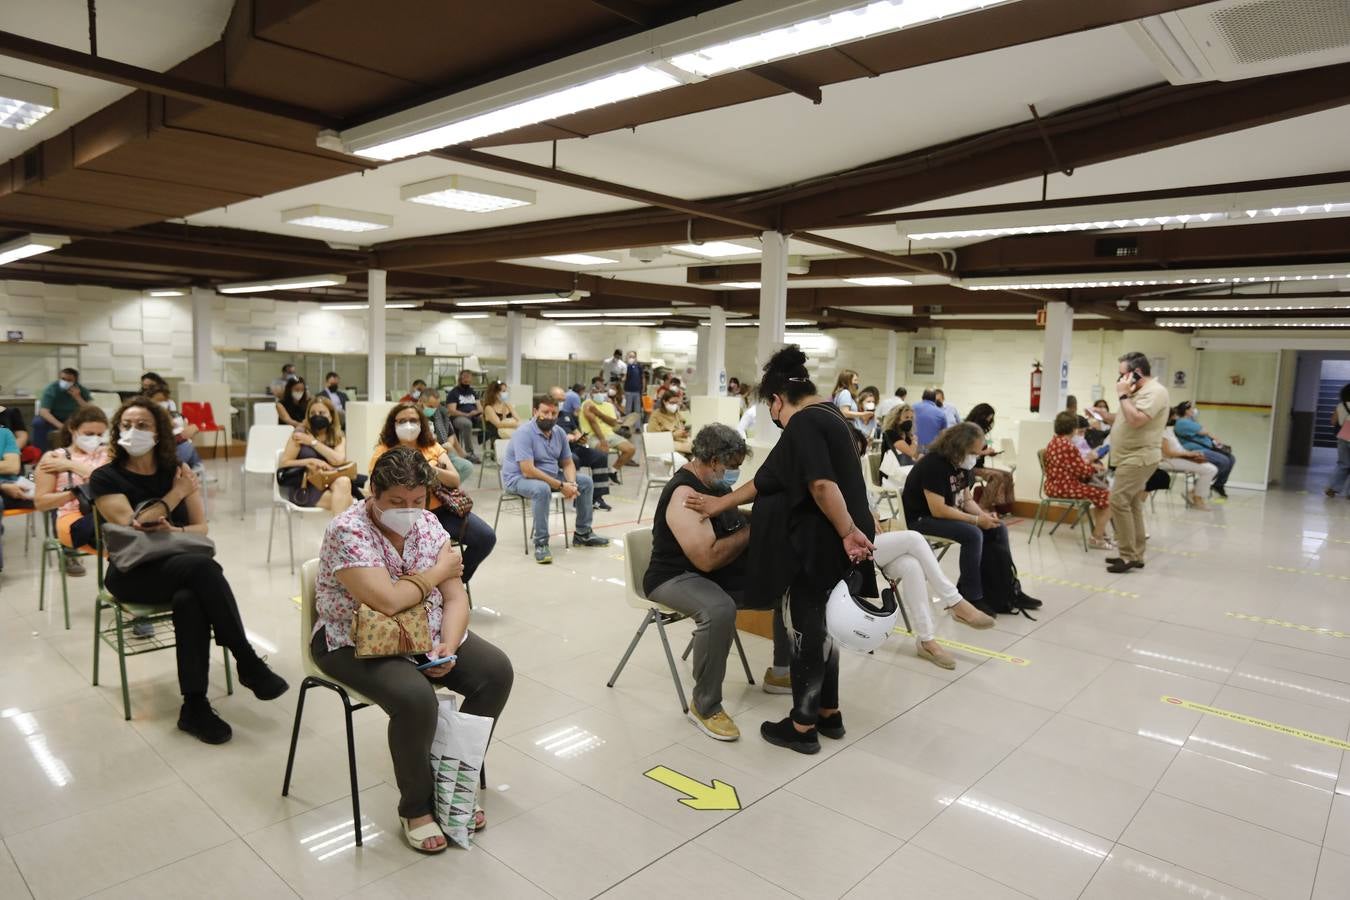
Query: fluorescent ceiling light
x=1267 y=303
x=1162 y=277
x=31 y=245
x=467 y=194
x=577 y=323
x=580 y=259
x=524 y=299
x=620 y=314
x=471 y=315
x=879 y=281
x=166 y=293
x=282 y=284
x=754 y=323
x=741 y=284
x=334 y=218
x=23 y=103
x=1253 y=323
x=346 y=306
x=716 y=249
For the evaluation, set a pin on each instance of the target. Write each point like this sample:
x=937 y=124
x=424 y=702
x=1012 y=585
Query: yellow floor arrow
x=721 y=796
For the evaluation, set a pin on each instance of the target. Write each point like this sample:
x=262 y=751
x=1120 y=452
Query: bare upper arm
x=114 y=508
x=694 y=533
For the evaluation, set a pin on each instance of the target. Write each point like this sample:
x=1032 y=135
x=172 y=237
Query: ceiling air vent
x=1236 y=39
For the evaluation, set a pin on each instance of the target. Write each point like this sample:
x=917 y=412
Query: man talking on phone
x=1136 y=450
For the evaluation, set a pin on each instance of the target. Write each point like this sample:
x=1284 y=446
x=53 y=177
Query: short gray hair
x=719 y=442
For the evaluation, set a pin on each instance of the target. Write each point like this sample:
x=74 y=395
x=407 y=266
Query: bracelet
x=851 y=529
x=418 y=582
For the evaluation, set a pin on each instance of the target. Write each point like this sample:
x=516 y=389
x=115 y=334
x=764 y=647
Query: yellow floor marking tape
x=1283 y=624
x=1308 y=572
x=971 y=648
x=1078 y=584
x=296 y=599
x=1258 y=723
x=1188 y=554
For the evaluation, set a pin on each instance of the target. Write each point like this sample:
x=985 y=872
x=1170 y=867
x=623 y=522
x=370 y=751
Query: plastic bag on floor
x=457 y=754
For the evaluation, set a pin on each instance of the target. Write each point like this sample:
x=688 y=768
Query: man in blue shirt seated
x=929 y=419
x=538 y=462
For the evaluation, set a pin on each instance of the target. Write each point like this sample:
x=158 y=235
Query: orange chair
x=201 y=415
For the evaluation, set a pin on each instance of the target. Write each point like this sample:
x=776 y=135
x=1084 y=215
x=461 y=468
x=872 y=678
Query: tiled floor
x=1067 y=777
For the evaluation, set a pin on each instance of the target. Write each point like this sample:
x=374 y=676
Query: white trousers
x=1204 y=472
x=905 y=556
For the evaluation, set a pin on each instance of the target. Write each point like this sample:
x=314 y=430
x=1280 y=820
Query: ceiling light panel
x=24 y=103
x=1179 y=219
x=580 y=259
x=578 y=323
x=616 y=314
x=1164 y=277
x=1267 y=303
x=30 y=245
x=1253 y=323
x=335 y=307
x=747 y=285
x=282 y=284
x=467 y=194
x=335 y=218
x=166 y=293
x=879 y=281
x=715 y=249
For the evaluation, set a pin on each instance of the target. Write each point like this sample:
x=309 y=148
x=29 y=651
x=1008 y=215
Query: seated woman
x=898 y=435
x=498 y=413
x=321 y=448
x=694 y=567
x=444 y=430
x=1067 y=475
x=1177 y=458
x=389 y=554
x=293 y=404
x=183 y=430
x=1194 y=436
x=937 y=501
x=667 y=417
x=407 y=426
x=83 y=447
x=997 y=493
x=146 y=487
x=1100 y=419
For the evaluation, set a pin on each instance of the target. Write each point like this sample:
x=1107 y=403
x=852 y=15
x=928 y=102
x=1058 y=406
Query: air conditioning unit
x=1236 y=39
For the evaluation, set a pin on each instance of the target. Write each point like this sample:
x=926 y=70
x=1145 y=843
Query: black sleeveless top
x=668 y=558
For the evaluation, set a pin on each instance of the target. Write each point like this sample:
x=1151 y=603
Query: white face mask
x=504 y=396
x=88 y=442
x=672 y=407
x=970 y=460
x=401 y=520
x=136 y=442
x=599 y=398
x=869 y=406
x=416 y=394
x=63 y=384
x=297 y=395
x=408 y=431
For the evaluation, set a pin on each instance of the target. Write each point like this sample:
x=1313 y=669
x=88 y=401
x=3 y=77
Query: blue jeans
x=187 y=453
x=972 y=539
x=541 y=496
x=1224 y=462
x=474 y=533
x=1340 y=479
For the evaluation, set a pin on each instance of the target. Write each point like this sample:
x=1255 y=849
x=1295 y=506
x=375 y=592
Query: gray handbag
x=129 y=547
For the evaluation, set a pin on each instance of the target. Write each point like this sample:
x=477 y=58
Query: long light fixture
x=467 y=194
x=744 y=285
x=879 y=281
x=578 y=323
x=23 y=103
x=754 y=323
x=335 y=218
x=735 y=36
x=1239 y=304
x=716 y=249
x=31 y=245
x=618 y=314
x=478 y=315
x=335 y=307
x=282 y=284
x=524 y=299
x=1253 y=323
x=1150 y=278
x=167 y=292
x=580 y=259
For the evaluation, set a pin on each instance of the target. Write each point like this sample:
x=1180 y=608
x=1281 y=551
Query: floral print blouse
x=353 y=541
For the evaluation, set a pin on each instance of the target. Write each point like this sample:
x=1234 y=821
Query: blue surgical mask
x=729 y=478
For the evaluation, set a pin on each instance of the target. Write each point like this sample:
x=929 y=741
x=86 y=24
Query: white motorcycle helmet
x=854 y=623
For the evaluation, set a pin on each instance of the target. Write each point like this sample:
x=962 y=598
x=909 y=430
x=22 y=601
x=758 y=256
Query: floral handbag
x=374 y=634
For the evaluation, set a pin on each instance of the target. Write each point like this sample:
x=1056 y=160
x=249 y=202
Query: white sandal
x=416 y=836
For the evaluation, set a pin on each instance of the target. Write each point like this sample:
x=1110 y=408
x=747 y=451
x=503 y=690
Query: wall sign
x=15 y=336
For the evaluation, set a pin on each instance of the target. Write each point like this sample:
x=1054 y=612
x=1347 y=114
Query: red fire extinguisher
x=1036 y=387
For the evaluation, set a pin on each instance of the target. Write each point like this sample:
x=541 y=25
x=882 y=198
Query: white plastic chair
x=290 y=509
x=507 y=496
x=260 y=455
x=107 y=401
x=657 y=447
x=637 y=551
x=264 y=414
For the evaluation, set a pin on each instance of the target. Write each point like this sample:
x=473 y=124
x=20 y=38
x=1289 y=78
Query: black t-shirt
x=890 y=436
x=12 y=419
x=463 y=397
x=295 y=408
x=668 y=557
x=113 y=479
x=932 y=473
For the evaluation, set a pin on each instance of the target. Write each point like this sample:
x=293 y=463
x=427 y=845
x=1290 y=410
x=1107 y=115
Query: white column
x=712 y=346
x=892 y=357
x=515 y=346
x=375 y=283
x=1058 y=351
x=772 y=320
x=202 y=298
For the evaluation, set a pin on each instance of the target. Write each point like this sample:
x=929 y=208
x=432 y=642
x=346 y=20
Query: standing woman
x=998 y=483
x=83 y=447
x=1340 y=420
x=497 y=411
x=811 y=526
x=407 y=426
x=146 y=487
x=322 y=448
x=845 y=389
x=293 y=404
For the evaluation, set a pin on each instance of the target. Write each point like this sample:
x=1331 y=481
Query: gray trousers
x=483 y=675
x=714 y=615
x=463 y=426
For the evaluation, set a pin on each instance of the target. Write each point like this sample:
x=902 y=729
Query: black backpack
x=1002 y=589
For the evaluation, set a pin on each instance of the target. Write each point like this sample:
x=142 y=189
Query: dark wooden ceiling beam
x=785 y=79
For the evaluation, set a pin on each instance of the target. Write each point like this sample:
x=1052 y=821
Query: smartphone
x=433 y=663
x=1103 y=450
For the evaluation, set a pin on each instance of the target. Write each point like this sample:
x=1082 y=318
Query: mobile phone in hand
x=433 y=663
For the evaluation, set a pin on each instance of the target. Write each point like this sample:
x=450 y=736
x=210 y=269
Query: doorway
x=1317 y=385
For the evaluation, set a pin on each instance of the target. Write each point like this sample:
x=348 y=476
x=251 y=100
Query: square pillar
x=712 y=345
x=1058 y=351
x=202 y=298
x=772 y=322
x=515 y=346
x=375 y=335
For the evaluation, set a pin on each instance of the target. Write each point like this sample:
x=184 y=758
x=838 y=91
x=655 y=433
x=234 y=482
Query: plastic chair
x=29 y=528
x=490 y=455
x=939 y=545
x=637 y=551
x=1068 y=504
x=260 y=455
x=872 y=473
x=508 y=496
x=315 y=677
x=265 y=414
x=201 y=415
x=51 y=545
x=1009 y=449
x=107 y=401
x=114 y=635
x=290 y=509
x=657 y=447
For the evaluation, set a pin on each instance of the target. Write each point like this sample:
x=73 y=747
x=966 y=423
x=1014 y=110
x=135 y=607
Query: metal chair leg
x=567 y=540
x=98 y=623
x=229 y=678
x=351 y=766
x=42 y=581
x=642 y=489
x=689 y=648
x=295 y=734
x=745 y=663
x=670 y=658
x=524 y=532
x=632 y=645
x=122 y=663
x=290 y=536
x=271 y=529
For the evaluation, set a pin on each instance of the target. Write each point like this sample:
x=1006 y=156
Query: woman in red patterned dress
x=1067 y=473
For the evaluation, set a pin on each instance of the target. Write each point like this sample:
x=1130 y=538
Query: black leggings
x=195 y=586
x=475 y=535
x=599 y=466
x=815 y=658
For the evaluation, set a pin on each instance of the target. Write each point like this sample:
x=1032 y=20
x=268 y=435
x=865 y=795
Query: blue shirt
x=632 y=382
x=8 y=444
x=571 y=402
x=1188 y=432
x=929 y=419
x=547 y=451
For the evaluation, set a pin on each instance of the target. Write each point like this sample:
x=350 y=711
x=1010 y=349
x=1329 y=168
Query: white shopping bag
x=457 y=754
